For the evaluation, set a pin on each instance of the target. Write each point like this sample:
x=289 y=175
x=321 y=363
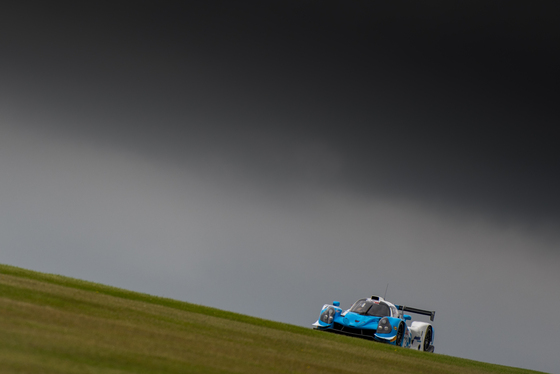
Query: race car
x=377 y=319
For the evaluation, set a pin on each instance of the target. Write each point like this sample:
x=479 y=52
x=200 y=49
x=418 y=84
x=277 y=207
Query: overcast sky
x=270 y=157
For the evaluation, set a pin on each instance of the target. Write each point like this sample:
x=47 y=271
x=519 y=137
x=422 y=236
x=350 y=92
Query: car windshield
x=370 y=308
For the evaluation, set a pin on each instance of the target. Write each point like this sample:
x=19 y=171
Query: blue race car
x=377 y=319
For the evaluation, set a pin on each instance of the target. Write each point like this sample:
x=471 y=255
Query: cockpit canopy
x=368 y=307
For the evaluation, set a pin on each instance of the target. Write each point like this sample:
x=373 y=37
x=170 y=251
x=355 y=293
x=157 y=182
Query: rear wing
x=423 y=312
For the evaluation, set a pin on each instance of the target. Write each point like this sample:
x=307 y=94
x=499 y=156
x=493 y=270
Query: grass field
x=55 y=324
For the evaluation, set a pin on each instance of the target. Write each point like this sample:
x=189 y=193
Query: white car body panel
x=418 y=331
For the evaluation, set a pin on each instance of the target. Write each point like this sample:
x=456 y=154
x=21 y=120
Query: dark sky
x=270 y=143
x=450 y=103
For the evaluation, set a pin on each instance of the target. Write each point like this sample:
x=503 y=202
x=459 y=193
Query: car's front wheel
x=400 y=335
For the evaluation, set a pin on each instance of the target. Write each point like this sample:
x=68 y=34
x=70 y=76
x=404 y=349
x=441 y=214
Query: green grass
x=55 y=324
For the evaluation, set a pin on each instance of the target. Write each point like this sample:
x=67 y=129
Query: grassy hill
x=54 y=324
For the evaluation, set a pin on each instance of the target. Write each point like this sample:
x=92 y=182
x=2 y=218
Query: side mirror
x=336 y=303
x=407 y=317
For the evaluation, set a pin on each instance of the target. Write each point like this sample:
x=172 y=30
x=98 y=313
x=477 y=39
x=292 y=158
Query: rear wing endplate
x=423 y=312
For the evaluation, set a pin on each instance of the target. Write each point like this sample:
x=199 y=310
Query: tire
x=400 y=335
x=428 y=347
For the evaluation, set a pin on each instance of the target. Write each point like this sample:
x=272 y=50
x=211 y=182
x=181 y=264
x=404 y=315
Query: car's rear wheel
x=428 y=340
x=400 y=335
